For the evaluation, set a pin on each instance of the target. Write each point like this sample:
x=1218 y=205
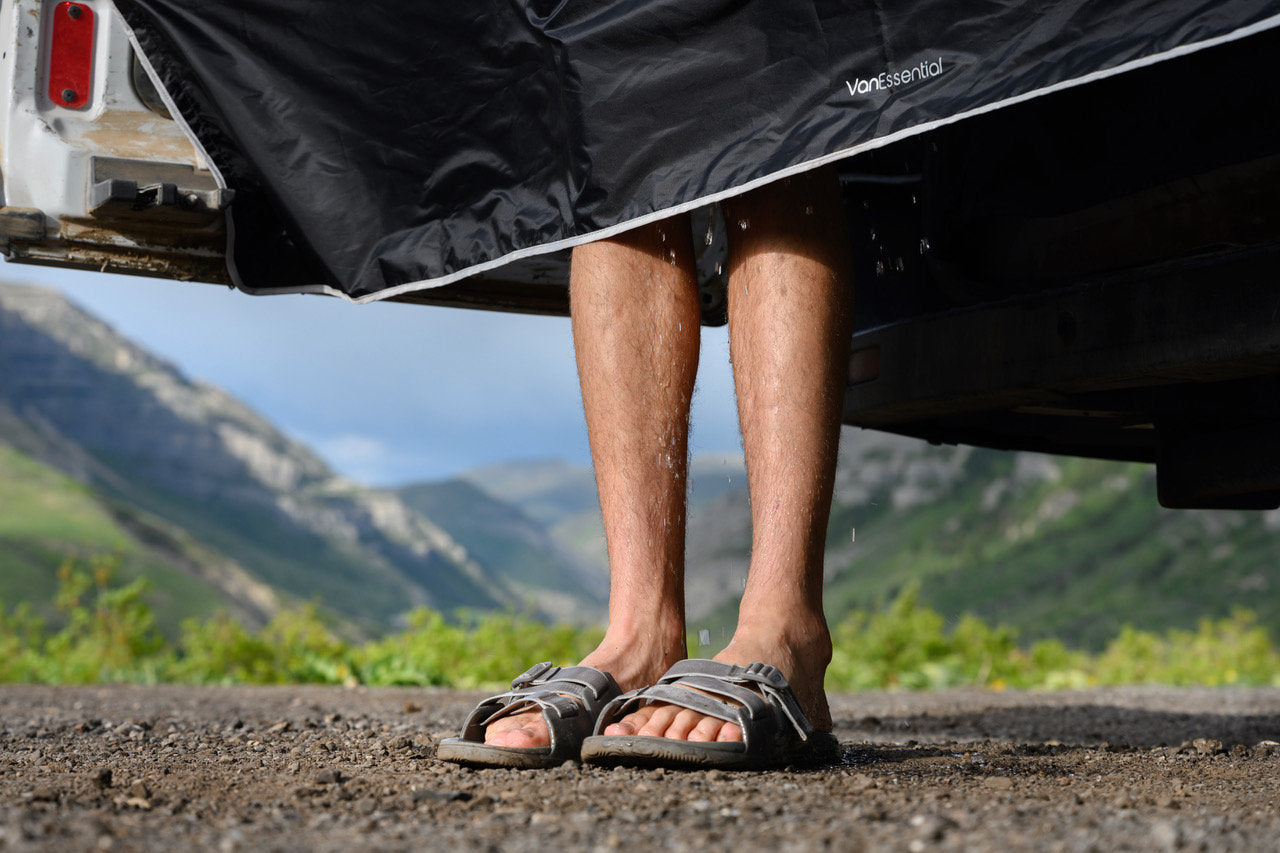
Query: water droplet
x=808 y=210
x=704 y=637
x=719 y=268
x=853 y=534
x=744 y=224
x=711 y=234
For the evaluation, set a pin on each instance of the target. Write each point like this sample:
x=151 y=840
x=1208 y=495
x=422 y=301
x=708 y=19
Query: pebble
x=860 y=782
x=328 y=776
x=102 y=777
x=432 y=796
x=1165 y=835
x=1206 y=746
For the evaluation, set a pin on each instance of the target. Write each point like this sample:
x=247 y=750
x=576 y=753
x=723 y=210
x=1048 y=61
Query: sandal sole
x=640 y=751
x=488 y=755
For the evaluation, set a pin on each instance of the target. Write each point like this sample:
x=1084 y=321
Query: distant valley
x=106 y=449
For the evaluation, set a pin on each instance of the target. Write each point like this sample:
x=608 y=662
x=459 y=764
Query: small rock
x=328 y=776
x=1266 y=747
x=411 y=708
x=1165 y=835
x=43 y=794
x=931 y=827
x=1207 y=746
x=279 y=727
x=999 y=783
x=861 y=782
x=139 y=790
x=398 y=743
x=431 y=796
x=102 y=777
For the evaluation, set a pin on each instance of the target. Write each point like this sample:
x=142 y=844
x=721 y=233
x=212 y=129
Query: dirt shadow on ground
x=1100 y=725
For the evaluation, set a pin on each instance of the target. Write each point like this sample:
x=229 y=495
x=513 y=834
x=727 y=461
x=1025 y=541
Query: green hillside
x=214 y=489
x=1073 y=553
x=48 y=519
x=516 y=548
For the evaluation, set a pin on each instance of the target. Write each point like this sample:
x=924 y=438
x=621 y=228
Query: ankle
x=803 y=634
x=637 y=658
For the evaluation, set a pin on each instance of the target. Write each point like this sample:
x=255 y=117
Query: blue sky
x=386 y=393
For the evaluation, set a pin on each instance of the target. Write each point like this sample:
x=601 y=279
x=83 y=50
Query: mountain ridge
x=86 y=401
x=186 y=482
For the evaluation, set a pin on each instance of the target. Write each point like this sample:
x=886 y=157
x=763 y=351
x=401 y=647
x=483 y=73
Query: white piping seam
x=176 y=114
x=702 y=201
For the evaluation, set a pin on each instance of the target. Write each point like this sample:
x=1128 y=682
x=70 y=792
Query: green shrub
x=109 y=633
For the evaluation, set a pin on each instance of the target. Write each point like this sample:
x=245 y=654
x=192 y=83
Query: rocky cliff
x=86 y=401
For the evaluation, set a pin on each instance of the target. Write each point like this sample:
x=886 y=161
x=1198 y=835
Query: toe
x=682 y=724
x=632 y=723
x=707 y=729
x=661 y=720
x=520 y=731
x=729 y=732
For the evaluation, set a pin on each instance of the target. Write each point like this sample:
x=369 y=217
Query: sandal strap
x=568 y=697
x=756 y=697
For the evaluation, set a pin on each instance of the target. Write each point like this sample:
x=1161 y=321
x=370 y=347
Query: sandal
x=775 y=732
x=570 y=699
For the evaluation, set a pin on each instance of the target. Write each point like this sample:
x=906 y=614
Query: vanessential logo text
x=891 y=79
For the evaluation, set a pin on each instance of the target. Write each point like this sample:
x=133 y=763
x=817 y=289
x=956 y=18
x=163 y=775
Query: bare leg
x=635 y=327
x=789 y=328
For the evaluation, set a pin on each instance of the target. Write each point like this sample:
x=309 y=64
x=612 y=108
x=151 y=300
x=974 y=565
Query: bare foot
x=802 y=656
x=629 y=664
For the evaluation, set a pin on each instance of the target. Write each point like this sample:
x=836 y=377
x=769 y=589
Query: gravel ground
x=318 y=769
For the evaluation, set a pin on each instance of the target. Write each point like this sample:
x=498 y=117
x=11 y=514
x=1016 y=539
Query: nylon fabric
x=377 y=148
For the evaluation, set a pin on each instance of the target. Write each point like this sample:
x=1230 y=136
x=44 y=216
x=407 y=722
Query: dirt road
x=319 y=769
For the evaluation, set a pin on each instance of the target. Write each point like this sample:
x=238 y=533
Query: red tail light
x=71 y=55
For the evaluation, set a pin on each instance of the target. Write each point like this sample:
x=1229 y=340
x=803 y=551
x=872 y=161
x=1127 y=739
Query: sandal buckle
x=533 y=675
